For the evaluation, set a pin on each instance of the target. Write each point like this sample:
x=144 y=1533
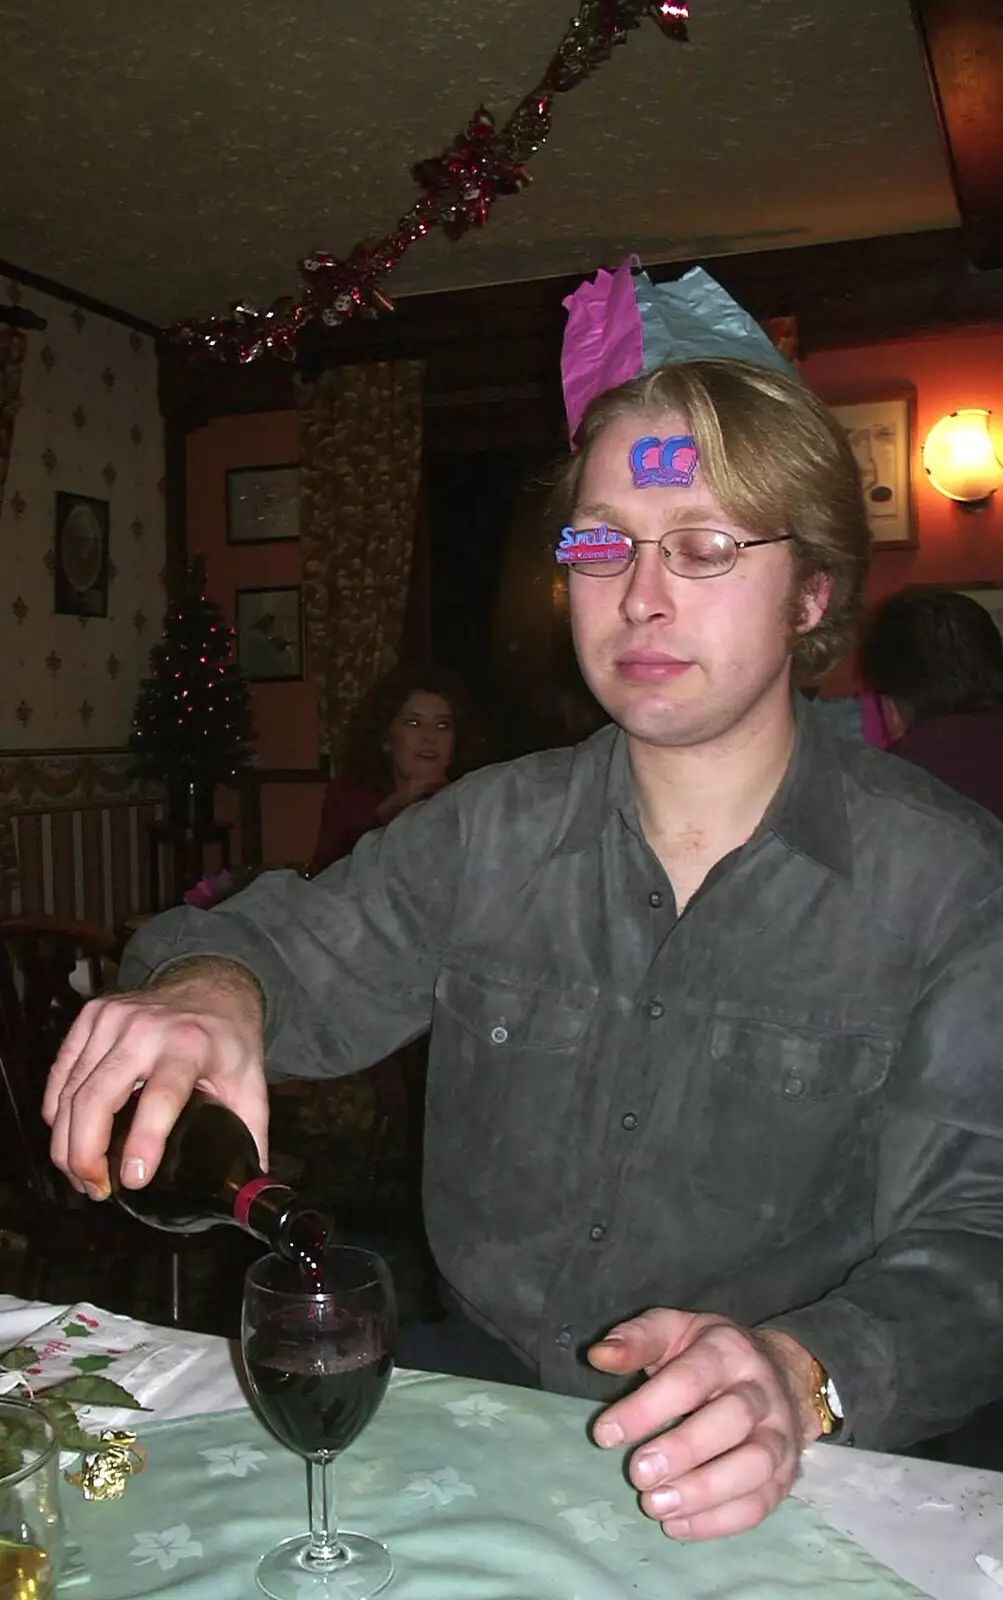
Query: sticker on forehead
x=670 y=463
x=591 y=544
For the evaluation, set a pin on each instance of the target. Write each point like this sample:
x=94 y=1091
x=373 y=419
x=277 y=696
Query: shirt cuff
x=858 y=1356
x=183 y=934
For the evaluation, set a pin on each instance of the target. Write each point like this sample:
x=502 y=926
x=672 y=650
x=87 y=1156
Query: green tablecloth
x=481 y=1492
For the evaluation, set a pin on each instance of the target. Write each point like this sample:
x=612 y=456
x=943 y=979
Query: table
x=415 y=1470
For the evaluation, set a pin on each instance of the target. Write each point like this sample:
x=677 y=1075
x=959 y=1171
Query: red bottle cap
x=245 y=1197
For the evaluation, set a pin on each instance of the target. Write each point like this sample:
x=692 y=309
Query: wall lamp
x=960 y=459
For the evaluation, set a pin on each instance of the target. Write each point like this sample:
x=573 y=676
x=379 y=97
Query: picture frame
x=262 y=503
x=80 y=572
x=880 y=429
x=269 y=625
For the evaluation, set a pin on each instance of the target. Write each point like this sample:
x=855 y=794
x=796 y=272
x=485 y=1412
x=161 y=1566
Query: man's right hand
x=199 y=1027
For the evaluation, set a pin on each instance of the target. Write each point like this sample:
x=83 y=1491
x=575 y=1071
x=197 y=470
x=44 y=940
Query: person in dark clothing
x=934 y=658
x=714 y=1111
x=404 y=743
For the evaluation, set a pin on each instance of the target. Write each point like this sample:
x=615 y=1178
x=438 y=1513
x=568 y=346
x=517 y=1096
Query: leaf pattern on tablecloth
x=438 y=1488
x=233 y=1460
x=598 y=1520
x=476 y=1411
x=166 y=1548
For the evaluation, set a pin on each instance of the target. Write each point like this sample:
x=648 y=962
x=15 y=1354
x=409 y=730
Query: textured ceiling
x=169 y=158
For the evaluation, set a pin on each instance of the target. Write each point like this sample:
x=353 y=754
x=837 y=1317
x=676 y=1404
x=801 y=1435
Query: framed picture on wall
x=880 y=431
x=270 y=634
x=81 y=552
x=262 y=504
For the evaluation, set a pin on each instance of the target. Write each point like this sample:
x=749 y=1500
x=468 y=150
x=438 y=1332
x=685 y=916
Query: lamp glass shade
x=959 y=456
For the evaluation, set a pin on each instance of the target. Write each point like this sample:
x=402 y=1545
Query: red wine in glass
x=318 y=1364
x=315 y=1399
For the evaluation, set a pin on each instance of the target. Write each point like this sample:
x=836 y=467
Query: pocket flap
x=798 y=1062
x=513 y=1016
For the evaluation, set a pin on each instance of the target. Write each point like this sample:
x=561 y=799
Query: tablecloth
x=939 y=1527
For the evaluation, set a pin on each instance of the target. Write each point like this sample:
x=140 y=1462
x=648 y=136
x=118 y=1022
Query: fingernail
x=97 y=1191
x=133 y=1170
x=647 y=1469
x=678 y=1530
x=665 y=1501
x=608 y=1434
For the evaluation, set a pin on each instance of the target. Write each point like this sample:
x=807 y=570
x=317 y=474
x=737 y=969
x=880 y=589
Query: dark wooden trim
x=492 y=356
x=264 y=775
x=963 y=45
x=74 y=297
x=175 y=504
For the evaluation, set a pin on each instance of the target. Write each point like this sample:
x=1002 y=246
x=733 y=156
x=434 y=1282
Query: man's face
x=679 y=661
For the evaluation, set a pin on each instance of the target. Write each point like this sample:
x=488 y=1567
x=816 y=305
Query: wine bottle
x=210 y=1173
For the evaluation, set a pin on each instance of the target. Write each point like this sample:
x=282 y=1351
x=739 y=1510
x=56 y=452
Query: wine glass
x=318 y=1350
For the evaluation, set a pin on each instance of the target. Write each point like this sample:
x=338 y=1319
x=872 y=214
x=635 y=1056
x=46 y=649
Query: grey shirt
x=785 y=1105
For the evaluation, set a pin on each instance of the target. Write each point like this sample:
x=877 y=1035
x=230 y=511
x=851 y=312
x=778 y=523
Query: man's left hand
x=746 y=1403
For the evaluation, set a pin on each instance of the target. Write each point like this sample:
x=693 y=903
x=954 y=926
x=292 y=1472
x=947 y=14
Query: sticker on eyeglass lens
x=591 y=544
x=670 y=463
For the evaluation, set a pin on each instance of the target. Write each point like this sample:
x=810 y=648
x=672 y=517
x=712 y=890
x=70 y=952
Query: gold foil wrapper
x=106 y=1471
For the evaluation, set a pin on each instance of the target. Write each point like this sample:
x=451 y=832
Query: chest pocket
x=786 y=1120
x=502 y=1018
x=503 y=1065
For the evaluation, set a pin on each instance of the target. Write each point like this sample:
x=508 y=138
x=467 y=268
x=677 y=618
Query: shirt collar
x=807 y=813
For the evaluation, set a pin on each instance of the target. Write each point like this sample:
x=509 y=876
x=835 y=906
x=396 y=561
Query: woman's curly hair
x=363 y=756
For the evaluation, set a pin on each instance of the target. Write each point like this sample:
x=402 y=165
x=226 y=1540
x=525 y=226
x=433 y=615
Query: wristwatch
x=826 y=1401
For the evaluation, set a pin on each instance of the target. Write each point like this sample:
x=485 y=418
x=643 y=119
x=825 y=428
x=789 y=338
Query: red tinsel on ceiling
x=458 y=189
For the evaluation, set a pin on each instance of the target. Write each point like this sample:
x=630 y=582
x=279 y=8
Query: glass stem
x=324 y=1547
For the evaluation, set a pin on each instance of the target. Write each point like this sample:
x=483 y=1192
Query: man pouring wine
x=714 y=1124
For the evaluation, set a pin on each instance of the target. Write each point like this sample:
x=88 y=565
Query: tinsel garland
x=458 y=189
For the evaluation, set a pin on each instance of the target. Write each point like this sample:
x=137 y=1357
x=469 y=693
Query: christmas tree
x=192 y=723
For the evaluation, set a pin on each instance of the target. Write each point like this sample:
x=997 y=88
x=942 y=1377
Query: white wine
x=25 y=1571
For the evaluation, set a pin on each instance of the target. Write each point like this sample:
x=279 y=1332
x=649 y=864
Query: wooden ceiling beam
x=503 y=341
x=963 y=44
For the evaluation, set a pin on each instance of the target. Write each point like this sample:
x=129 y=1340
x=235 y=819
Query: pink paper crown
x=621 y=324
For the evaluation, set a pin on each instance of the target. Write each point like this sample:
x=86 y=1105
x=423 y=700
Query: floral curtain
x=360 y=468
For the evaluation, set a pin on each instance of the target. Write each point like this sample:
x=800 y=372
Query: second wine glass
x=318 y=1360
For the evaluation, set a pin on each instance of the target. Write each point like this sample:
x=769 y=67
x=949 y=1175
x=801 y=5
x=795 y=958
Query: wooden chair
x=49 y=967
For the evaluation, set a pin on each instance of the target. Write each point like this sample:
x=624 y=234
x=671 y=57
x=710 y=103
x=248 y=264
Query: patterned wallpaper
x=89 y=424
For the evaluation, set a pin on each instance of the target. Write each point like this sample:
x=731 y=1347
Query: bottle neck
x=262 y=1207
x=270 y=1211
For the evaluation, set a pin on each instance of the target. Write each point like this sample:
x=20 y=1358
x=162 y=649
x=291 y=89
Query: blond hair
x=777 y=461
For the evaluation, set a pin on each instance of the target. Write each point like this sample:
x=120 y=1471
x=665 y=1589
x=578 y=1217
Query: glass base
x=361 y=1569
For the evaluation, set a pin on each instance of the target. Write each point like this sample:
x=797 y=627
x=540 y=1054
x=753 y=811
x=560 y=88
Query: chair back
x=49 y=968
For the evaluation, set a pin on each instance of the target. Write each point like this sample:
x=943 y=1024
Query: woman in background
x=407 y=739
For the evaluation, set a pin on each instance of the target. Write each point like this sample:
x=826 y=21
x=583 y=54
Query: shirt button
x=655 y=1009
x=563 y=1338
x=656 y=899
x=629 y=1121
x=499 y=1035
x=597 y=1232
x=793 y=1086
